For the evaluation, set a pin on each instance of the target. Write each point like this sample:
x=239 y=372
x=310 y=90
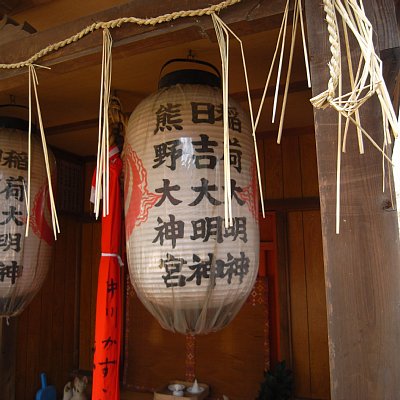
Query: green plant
x=277 y=384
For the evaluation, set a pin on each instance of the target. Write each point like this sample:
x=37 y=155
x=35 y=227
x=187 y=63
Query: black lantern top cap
x=13 y=116
x=190 y=76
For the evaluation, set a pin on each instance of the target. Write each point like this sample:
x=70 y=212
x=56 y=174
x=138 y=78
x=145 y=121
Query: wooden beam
x=387 y=36
x=287 y=132
x=391 y=70
x=131 y=38
x=294 y=87
x=72 y=127
x=362 y=274
x=16 y=6
x=294 y=204
x=239 y=97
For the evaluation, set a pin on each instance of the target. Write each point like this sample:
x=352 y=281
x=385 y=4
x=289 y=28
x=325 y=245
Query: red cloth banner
x=109 y=294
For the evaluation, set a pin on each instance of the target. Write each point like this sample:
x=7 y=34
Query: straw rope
x=116 y=23
x=366 y=82
x=325 y=98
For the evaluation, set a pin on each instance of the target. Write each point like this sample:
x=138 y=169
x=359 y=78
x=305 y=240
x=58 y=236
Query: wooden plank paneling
x=46 y=328
x=96 y=254
x=89 y=169
x=70 y=278
x=32 y=379
x=155 y=356
x=22 y=355
x=309 y=172
x=46 y=323
x=298 y=305
x=292 y=176
x=261 y=159
x=59 y=292
x=85 y=294
x=316 y=306
x=8 y=347
x=273 y=169
x=238 y=347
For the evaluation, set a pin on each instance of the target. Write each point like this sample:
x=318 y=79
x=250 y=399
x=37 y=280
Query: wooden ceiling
x=69 y=92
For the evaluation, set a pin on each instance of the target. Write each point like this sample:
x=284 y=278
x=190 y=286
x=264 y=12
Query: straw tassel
x=33 y=82
x=226 y=28
x=367 y=82
x=223 y=42
x=102 y=168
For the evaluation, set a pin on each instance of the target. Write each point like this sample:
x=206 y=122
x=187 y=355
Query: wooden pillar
x=8 y=350
x=362 y=264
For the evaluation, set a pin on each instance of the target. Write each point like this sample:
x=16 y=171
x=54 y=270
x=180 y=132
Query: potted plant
x=277 y=384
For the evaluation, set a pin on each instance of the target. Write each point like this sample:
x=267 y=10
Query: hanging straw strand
x=223 y=42
x=102 y=167
x=285 y=94
x=28 y=190
x=250 y=109
x=54 y=219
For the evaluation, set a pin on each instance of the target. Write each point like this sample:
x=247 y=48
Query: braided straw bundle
x=366 y=82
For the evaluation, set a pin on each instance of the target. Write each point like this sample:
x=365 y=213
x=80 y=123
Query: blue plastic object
x=46 y=392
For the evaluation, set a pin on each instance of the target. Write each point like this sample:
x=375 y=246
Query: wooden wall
x=223 y=359
x=290 y=176
x=55 y=326
x=47 y=336
x=90 y=259
x=291 y=186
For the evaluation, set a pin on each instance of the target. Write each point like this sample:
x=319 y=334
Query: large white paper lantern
x=24 y=261
x=190 y=272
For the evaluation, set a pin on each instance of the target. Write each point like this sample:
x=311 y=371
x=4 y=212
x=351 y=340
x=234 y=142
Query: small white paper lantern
x=190 y=272
x=24 y=261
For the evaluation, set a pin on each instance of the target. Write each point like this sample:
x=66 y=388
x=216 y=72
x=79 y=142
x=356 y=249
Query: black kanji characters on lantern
x=209 y=268
x=234 y=122
x=209 y=113
x=206 y=227
x=14 y=188
x=235 y=155
x=10 y=241
x=237 y=230
x=205 y=145
x=166 y=193
x=13 y=159
x=173 y=267
x=167 y=150
x=169 y=230
x=12 y=215
x=204 y=190
x=167 y=117
x=201 y=268
x=11 y=271
x=213 y=227
x=203 y=113
x=203 y=153
x=234 y=192
x=233 y=267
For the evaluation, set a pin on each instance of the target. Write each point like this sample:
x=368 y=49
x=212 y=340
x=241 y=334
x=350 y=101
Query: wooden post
x=8 y=347
x=362 y=263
